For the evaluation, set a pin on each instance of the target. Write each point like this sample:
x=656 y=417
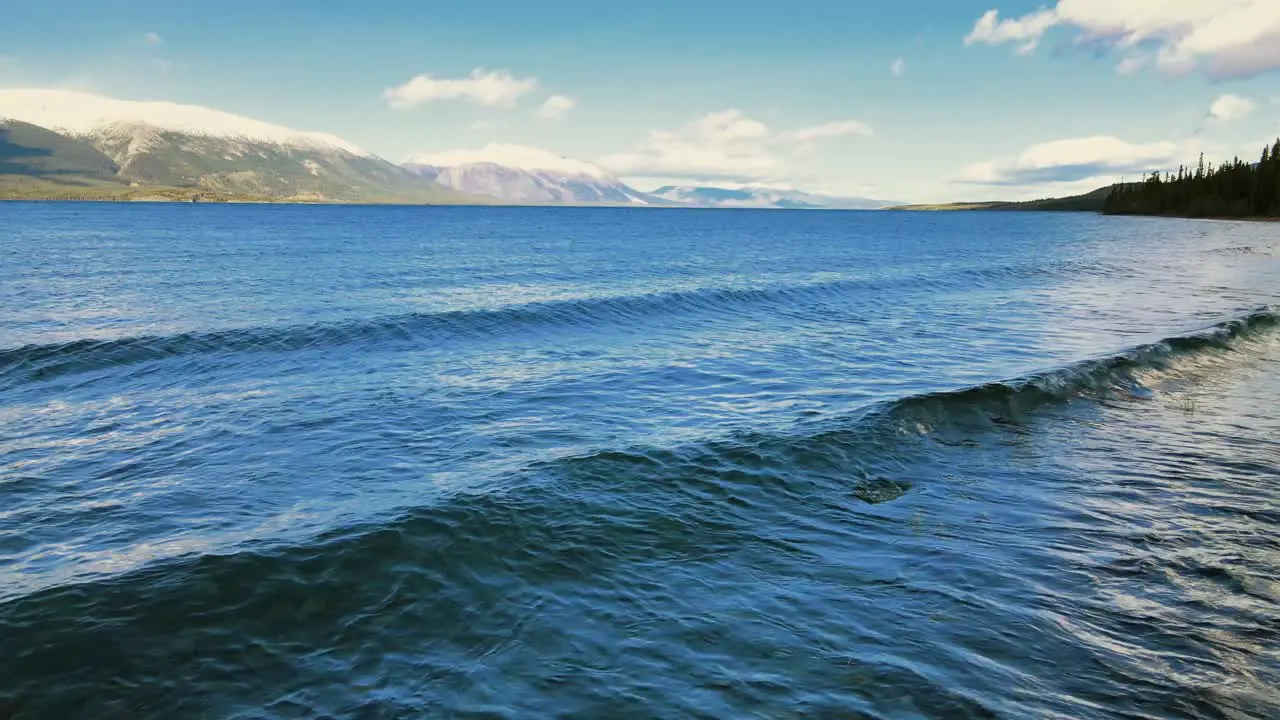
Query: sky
x=916 y=100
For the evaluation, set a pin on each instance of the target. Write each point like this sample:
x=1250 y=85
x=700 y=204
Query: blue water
x=376 y=462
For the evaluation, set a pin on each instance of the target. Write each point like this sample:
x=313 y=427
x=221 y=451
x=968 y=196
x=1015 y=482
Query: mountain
x=37 y=163
x=169 y=145
x=148 y=154
x=756 y=197
x=27 y=149
x=1092 y=201
x=519 y=174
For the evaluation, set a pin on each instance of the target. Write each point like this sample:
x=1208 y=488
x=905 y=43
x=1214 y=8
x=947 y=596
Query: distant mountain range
x=757 y=197
x=517 y=174
x=75 y=145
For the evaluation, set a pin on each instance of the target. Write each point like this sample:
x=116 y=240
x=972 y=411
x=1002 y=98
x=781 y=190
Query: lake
x=380 y=462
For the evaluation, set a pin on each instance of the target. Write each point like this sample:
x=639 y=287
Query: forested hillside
x=1234 y=189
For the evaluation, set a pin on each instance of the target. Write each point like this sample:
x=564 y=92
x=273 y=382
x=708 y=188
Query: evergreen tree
x=1231 y=189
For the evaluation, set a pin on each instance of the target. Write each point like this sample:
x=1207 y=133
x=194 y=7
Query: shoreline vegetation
x=1232 y=190
x=1088 y=202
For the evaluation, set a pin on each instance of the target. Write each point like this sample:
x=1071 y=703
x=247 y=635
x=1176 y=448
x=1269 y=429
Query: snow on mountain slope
x=517 y=173
x=187 y=146
x=85 y=114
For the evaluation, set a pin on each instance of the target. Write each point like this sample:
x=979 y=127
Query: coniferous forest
x=1234 y=189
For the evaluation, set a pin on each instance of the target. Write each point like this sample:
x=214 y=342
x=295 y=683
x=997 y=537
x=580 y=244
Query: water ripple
x=533 y=463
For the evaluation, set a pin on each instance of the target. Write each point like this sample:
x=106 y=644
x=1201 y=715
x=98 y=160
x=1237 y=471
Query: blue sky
x=1041 y=98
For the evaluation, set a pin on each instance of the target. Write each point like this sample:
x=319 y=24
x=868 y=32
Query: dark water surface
x=288 y=462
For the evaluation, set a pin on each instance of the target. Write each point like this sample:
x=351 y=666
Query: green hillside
x=32 y=151
x=1092 y=201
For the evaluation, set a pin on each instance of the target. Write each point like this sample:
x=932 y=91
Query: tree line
x=1232 y=189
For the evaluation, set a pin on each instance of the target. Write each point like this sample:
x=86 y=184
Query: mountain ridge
x=532 y=186
x=74 y=113
x=527 y=175
x=114 y=151
x=75 y=145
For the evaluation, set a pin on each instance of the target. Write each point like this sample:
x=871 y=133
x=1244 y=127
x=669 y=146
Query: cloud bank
x=1073 y=160
x=1228 y=38
x=724 y=146
x=490 y=88
x=521 y=157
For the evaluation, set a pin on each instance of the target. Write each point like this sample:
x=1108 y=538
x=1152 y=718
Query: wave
x=39 y=362
x=1241 y=250
x=33 y=363
x=1117 y=372
x=461 y=576
x=700 y=488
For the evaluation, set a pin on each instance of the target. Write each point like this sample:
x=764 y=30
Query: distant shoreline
x=1002 y=208
x=975 y=207
x=494 y=203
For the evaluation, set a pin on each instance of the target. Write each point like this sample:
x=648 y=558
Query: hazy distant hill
x=532 y=186
x=753 y=197
x=1092 y=201
x=520 y=174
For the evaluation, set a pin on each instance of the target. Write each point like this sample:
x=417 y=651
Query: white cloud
x=1026 y=31
x=556 y=107
x=1073 y=160
x=496 y=88
x=1230 y=107
x=152 y=39
x=1231 y=38
x=161 y=64
x=898 y=68
x=1131 y=65
x=515 y=156
x=838 y=128
x=723 y=146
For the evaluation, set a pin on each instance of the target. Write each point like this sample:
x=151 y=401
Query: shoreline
x=495 y=203
x=1248 y=218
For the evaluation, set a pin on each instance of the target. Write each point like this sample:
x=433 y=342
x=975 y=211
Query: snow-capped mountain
x=520 y=174
x=175 y=145
x=758 y=197
x=80 y=114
